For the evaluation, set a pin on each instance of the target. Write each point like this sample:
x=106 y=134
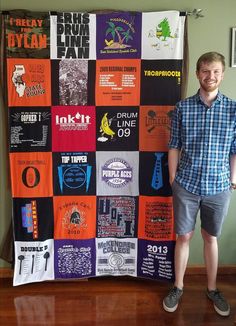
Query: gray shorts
x=213 y=210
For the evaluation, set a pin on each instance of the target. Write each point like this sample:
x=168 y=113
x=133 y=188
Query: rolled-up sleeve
x=175 y=133
x=233 y=145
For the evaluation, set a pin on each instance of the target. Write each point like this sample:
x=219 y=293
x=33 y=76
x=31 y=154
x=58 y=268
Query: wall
x=212 y=32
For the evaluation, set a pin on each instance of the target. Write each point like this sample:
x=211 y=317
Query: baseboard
x=191 y=270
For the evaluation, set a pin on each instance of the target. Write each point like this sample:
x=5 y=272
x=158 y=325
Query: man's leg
x=186 y=206
x=181 y=258
x=213 y=211
x=171 y=301
x=211 y=258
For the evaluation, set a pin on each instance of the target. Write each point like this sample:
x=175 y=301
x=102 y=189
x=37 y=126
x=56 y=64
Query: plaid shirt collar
x=218 y=98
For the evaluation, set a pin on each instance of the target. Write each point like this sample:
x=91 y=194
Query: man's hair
x=210 y=57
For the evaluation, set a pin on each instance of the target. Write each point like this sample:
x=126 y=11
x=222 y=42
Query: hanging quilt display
x=90 y=98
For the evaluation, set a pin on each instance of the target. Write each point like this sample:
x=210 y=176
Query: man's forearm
x=233 y=168
x=173 y=161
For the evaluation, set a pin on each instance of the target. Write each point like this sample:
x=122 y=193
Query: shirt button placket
x=207 y=127
x=205 y=147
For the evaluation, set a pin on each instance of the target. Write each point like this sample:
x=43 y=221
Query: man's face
x=210 y=75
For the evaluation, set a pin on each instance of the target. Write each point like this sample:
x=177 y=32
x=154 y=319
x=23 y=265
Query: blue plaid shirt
x=206 y=137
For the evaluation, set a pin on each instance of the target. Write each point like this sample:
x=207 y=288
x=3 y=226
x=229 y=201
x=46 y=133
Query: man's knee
x=185 y=238
x=208 y=237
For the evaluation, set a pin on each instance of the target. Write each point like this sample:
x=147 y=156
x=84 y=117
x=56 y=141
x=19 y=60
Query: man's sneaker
x=220 y=304
x=171 y=301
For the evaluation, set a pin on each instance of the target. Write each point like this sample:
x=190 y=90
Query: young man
x=202 y=169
